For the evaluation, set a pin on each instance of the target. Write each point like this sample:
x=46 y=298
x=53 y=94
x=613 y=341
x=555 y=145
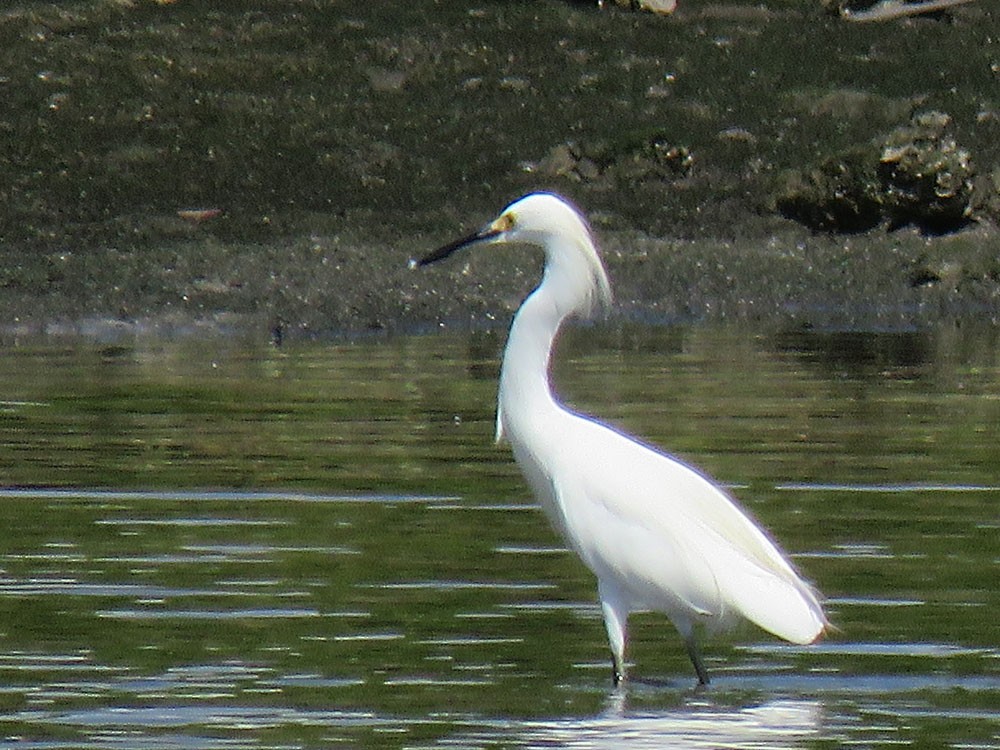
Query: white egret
x=658 y=534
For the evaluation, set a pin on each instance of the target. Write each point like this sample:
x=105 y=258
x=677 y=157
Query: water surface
x=221 y=544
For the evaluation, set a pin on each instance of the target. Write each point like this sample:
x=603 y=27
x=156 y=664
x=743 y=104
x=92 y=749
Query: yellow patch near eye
x=504 y=223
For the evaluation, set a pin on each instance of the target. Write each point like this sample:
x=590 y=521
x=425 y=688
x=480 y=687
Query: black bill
x=441 y=253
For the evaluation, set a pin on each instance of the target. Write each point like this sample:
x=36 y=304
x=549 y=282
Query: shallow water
x=217 y=544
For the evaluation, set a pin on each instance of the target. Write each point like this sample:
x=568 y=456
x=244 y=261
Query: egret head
x=572 y=264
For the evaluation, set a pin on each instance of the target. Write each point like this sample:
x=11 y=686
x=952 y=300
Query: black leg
x=617 y=671
x=699 y=666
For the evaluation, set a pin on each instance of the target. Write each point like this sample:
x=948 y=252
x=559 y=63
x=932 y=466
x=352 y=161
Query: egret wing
x=650 y=568
x=710 y=552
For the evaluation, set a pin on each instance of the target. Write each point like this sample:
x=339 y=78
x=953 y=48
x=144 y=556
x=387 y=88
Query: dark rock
x=927 y=179
x=840 y=195
x=916 y=175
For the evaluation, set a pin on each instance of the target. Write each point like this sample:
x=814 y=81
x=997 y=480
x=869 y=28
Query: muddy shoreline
x=173 y=171
x=318 y=287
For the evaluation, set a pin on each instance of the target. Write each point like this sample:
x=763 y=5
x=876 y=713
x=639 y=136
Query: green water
x=224 y=544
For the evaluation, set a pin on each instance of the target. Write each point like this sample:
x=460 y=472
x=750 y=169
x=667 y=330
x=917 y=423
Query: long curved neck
x=525 y=392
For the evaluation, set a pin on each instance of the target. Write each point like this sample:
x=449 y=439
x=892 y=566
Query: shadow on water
x=370 y=571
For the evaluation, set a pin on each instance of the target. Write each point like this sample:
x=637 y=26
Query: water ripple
x=261 y=613
x=884 y=488
x=31 y=493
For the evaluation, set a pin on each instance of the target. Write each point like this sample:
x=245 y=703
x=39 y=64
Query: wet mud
x=172 y=169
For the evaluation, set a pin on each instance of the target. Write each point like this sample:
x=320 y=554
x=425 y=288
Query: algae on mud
x=339 y=140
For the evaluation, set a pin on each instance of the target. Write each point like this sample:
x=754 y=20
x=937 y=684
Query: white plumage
x=658 y=534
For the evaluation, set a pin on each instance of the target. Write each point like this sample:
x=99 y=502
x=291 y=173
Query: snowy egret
x=658 y=534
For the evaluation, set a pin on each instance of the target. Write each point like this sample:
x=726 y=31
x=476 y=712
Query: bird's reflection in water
x=698 y=723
